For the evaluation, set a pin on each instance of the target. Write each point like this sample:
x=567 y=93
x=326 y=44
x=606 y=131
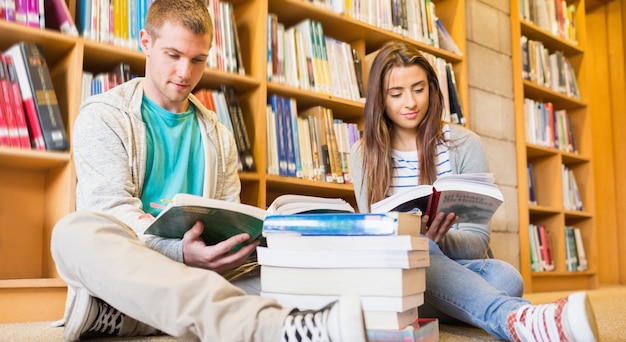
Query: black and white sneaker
x=91 y=317
x=338 y=321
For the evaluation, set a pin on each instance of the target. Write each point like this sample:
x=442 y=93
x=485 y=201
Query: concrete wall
x=492 y=113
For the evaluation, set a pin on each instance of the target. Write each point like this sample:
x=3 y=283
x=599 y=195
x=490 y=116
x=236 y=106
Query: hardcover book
x=472 y=196
x=422 y=330
x=368 y=303
x=323 y=258
x=342 y=242
x=361 y=281
x=392 y=223
x=58 y=17
x=13 y=100
x=389 y=320
x=38 y=95
x=221 y=219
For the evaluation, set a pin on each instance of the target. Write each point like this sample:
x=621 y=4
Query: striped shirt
x=406 y=165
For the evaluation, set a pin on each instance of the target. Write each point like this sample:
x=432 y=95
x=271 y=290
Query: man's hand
x=219 y=257
x=439 y=227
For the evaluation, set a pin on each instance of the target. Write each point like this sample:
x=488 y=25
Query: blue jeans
x=479 y=292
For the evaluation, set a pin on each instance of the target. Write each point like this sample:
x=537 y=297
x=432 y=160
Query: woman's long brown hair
x=378 y=128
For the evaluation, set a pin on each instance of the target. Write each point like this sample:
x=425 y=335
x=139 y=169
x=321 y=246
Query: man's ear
x=145 y=41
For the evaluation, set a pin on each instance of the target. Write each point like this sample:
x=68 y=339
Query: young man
x=144 y=141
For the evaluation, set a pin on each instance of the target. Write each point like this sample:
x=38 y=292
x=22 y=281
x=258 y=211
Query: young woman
x=405 y=143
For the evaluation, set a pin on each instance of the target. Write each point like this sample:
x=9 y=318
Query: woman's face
x=407 y=94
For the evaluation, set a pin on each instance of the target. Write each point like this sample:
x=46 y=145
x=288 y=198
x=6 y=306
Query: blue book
x=349 y=224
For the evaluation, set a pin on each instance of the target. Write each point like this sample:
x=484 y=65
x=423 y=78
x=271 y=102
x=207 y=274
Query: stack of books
x=312 y=259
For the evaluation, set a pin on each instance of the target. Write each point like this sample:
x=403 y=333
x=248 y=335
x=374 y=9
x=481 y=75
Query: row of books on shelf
x=308 y=143
x=554 y=16
x=572 y=199
x=93 y=84
x=52 y=14
x=302 y=56
x=571 y=195
x=541 y=249
x=225 y=103
x=415 y=19
x=30 y=117
x=550 y=69
x=549 y=127
x=118 y=23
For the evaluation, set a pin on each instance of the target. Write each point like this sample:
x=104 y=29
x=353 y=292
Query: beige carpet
x=609 y=303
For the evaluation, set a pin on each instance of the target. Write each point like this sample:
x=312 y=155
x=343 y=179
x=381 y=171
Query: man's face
x=175 y=61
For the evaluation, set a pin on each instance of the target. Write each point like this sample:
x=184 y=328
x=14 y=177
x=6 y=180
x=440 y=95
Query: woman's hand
x=219 y=257
x=439 y=226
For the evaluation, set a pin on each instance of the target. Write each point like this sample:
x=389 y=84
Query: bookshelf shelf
x=548 y=162
x=37 y=188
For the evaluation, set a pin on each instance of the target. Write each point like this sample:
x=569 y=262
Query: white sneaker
x=567 y=319
x=91 y=317
x=340 y=321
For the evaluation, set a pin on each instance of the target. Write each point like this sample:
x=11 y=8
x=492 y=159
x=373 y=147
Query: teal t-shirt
x=175 y=155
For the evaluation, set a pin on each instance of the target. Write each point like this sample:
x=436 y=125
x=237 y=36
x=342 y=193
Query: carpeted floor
x=609 y=303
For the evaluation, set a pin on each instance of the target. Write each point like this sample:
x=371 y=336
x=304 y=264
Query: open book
x=472 y=196
x=223 y=219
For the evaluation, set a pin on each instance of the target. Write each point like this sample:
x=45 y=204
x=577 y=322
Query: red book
x=16 y=102
x=545 y=248
x=58 y=17
x=7 y=106
x=4 y=131
x=39 y=98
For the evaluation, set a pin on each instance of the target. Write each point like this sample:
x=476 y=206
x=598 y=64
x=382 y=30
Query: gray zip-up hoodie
x=109 y=150
x=465 y=240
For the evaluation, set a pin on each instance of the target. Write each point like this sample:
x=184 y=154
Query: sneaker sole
x=78 y=316
x=582 y=330
x=352 y=320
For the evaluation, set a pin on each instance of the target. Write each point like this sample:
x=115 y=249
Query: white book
x=368 y=303
x=337 y=258
x=337 y=281
x=389 y=320
x=336 y=242
x=580 y=248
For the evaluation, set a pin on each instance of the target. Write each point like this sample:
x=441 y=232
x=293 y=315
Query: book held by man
x=473 y=197
x=223 y=219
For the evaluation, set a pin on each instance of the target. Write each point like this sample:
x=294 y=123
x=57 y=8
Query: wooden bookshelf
x=37 y=188
x=547 y=161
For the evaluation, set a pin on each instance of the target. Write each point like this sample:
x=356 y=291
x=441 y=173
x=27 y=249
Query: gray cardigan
x=109 y=150
x=464 y=241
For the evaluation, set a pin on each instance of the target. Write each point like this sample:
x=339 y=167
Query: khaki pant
x=100 y=253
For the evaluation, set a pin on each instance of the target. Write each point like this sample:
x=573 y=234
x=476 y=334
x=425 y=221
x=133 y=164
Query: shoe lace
x=109 y=320
x=539 y=323
x=307 y=326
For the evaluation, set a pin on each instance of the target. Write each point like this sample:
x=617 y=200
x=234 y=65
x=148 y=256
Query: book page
x=298 y=204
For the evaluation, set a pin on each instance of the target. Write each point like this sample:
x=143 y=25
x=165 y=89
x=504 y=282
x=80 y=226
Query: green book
x=222 y=219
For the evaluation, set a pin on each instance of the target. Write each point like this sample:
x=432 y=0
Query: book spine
x=21 y=12
x=4 y=129
x=43 y=97
x=58 y=17
x=239 y=126
x=13 y=88
x=8 y=108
